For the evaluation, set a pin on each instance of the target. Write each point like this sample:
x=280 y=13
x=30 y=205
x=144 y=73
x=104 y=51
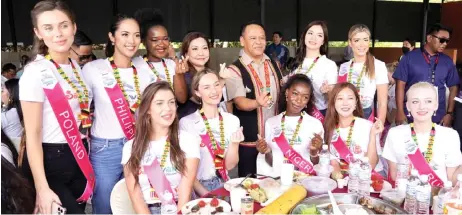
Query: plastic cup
x=287 y=174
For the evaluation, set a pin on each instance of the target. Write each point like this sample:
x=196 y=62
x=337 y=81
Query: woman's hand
x=181 y=65
x=262 y=146
x=238 y=136
x=316 y=144
x=45 y=198
x=377 y=127
x=224 y=71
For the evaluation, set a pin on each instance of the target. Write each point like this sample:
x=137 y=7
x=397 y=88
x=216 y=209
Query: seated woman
x=219 y=130
x=159 y=154
x=12 y=118
x=293 y=129
x=431 y=149
x=347 y=132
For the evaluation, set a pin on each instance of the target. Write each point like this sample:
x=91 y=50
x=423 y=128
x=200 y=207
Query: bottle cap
x=324 y=147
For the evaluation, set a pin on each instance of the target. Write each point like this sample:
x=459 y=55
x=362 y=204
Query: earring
x=434 y=114
x=408 y=114
x=112 y=43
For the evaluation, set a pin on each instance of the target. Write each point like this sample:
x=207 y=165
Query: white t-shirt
x=30 y=89
x=324 y=70
x=105 y=123
x=360 y=138
x=446 y=147
x=308 y=128
x=367 y=86
x=193 y=123
x=189 y=144
x=140 y=64
x=11 y=124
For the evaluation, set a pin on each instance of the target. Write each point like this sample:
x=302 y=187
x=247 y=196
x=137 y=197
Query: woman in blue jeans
x=117 y=86
x=222 y=128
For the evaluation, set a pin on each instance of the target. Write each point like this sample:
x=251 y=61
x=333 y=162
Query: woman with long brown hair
x=366 y=73
x=159 y=144
x=220 y=132
x=345 y=128
x=55 y=102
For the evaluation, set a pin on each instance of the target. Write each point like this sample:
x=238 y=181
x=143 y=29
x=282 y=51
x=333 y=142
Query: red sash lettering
x=317 y=114
x=158 y=179
x=221 y=167
x=293 y=156
x=68 y=125
x=122 y=110
x=421 y=165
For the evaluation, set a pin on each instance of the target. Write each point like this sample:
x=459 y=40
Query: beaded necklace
x=119 y=82
x=165 y=154
x=84 y=115
x=297 y=128
x=350 y=74
x=429 y=152
x=218 y=151
x=350 y=132
x=309 y=68
x=167 y=73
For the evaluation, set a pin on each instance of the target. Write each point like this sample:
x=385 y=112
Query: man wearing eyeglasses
x=429 y=64
x=81 y=49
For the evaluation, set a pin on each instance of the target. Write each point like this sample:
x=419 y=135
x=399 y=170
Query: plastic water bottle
x=455 y=190
x=402 y=171
x=423 y=195
x=324 y=158
x=443 y=196
x=168 y=205
x=410 y=201
x=365 y=173
x=353 y=172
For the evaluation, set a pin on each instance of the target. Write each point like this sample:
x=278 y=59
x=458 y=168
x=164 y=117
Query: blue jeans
x=212 y=184
x=105 y=156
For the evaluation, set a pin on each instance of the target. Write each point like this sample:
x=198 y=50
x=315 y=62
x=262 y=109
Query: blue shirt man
x=277 y=51
x=431 y=65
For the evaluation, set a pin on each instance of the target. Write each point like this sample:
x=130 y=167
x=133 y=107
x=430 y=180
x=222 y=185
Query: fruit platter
x=348 y=204
x=263 y=191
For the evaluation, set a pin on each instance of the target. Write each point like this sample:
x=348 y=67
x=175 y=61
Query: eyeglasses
x=442 y=40
x=82 y=57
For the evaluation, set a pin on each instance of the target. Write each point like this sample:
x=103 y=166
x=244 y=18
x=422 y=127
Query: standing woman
x=293 y=129
x=55 y=101
x=220 y=132
x=160 y=154
x=366 y=73
x=347 y=133
x=155 y=38
x=12 y=117
x=117 y=85
x=311 y=60
x=195 y=48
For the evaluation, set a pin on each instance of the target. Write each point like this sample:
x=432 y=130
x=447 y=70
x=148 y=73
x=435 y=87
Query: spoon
x=335 y=207
x=240 y=184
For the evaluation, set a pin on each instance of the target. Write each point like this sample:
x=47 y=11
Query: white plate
x=235 y=181
x=386 y=186
x=207 y=209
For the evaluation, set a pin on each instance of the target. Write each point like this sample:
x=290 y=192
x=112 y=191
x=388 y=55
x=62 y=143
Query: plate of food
x=378 y=184
x=206 y=206
x=230 y=184
x=299 y=176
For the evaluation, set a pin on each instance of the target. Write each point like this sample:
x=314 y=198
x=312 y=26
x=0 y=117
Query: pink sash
x=294 y=157
x=343 y=151
x=317 y=114
x=122 y=110
x=421 y=165
x=68 y=125
x=207 y=142
x=158 y=180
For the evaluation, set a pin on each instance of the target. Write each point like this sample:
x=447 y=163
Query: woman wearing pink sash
x=366 y=73
x=117 y=85
x=311 y=60
x=431 y=149
x=158 y=144
x=347 y=133
x=220 y=132
x=55 y=101
x=300 y=132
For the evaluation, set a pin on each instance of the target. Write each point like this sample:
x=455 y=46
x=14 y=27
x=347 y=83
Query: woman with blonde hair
x=432 y=149
x=366 y=73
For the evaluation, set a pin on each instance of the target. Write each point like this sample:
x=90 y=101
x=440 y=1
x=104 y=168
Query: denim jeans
x=105 y=156
x=212 y=184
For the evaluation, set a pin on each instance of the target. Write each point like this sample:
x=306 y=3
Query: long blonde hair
x=370 y=65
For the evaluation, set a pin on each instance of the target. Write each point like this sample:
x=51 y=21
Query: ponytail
x=109 y=49
x=39 y=47
x=370 y=66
